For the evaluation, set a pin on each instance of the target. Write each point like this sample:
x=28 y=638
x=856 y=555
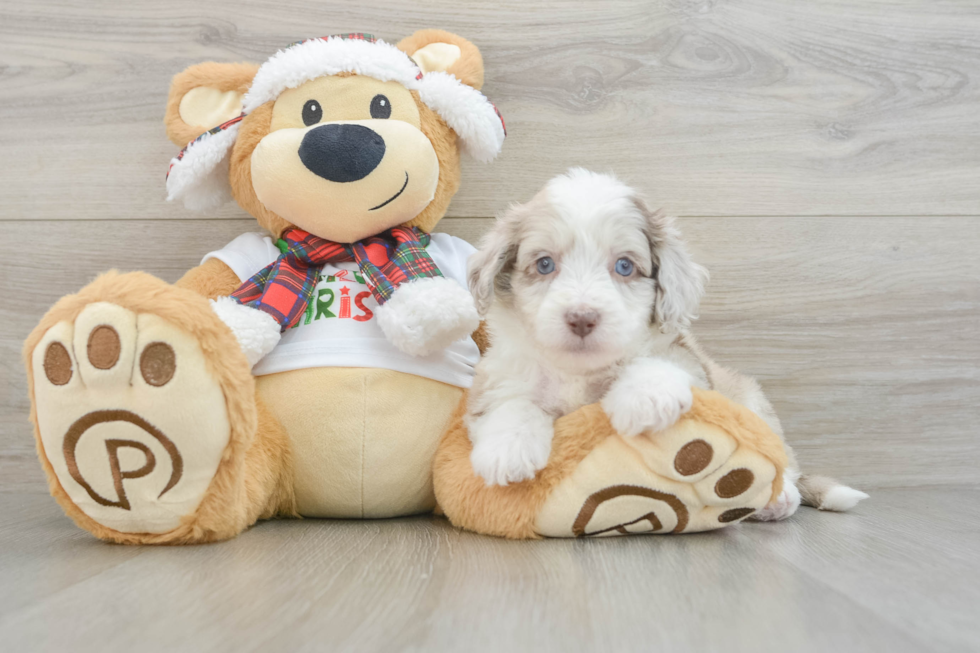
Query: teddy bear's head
x=343 y=137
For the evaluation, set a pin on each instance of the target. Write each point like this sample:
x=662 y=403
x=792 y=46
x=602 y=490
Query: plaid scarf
x=284 y=288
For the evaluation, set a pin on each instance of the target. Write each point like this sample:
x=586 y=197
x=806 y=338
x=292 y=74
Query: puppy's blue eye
x=624 y=266
x=546 y=265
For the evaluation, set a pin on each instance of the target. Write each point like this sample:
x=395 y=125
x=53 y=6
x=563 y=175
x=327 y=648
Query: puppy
x=588 y=296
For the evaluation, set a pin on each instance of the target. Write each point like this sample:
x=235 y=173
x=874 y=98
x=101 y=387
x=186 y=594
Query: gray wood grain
x=862 y=330
x=896 y=575
x=785 y=131
x=758 y=107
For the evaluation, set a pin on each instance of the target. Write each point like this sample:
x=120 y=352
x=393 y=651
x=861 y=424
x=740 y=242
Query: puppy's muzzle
x=342 y=153
x=582 y=322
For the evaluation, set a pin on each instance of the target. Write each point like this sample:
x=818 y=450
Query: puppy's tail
x=827 y=494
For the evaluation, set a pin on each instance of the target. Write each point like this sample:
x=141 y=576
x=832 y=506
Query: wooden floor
x=824 y=160
x=899 y=574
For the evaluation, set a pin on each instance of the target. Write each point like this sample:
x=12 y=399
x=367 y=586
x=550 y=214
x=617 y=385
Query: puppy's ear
x=487 y=267
x=204 y=96
x=680 y=281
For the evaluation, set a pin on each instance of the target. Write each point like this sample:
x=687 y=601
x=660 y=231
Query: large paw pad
x=691 y=477
x=130 y=417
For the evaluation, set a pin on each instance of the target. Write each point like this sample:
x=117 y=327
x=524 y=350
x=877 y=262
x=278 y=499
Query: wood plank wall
x=824 y=158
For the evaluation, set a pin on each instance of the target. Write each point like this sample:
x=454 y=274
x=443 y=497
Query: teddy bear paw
x=427 y=315
x=130 y=417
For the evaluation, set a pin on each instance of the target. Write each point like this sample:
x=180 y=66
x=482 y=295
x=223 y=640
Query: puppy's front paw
x=651 y=394
x=785 y=505
x=510 y=447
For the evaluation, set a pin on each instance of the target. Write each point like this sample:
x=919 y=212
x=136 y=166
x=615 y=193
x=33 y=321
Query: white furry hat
x=198 y=175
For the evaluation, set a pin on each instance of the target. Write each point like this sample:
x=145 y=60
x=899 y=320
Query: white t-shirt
x=339 y=328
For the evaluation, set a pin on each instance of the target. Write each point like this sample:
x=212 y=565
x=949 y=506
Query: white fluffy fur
x=538 y=368
x=200 y=178
x=257 y=332
x=841 y=498
x=426 y=315
x=512 y=443
x=676 y=271
x=786 y=504
x=467 y=112
x=302 y=62
x=650 y=393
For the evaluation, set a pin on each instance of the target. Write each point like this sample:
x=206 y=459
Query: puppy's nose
x=342 y=153
x=582 y=322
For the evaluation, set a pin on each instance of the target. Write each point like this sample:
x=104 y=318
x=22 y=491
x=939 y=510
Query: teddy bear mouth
x=393 y=197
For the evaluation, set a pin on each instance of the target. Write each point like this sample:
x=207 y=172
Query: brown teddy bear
x=312 y=370
x=321 y=375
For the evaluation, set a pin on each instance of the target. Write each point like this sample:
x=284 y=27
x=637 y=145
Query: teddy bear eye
x=380 y=107
x=312 y=113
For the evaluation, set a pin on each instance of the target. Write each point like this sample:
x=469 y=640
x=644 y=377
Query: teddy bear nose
x=342 y=153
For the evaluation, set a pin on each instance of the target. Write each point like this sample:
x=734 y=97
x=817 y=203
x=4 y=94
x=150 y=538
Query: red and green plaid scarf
x=284 y=288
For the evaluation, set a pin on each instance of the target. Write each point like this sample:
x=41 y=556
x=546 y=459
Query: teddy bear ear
x=450 y=83
x=205 y=95
x=435 y=50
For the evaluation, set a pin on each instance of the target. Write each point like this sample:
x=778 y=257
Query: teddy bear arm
x=212 y=279
x=256 y=331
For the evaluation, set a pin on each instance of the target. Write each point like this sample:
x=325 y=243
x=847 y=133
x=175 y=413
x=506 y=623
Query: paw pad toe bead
x=693 y=457
x=158 y=363
x=103 y=347
x=57 y=364
x=734 y=483
x=734 y=514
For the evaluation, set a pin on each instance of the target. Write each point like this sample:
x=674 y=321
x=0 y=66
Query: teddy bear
x=307 y=370
x=319 y=368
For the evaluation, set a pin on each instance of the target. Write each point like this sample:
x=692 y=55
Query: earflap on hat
x=468 y=112
x=450 y=85
x=198 y=176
